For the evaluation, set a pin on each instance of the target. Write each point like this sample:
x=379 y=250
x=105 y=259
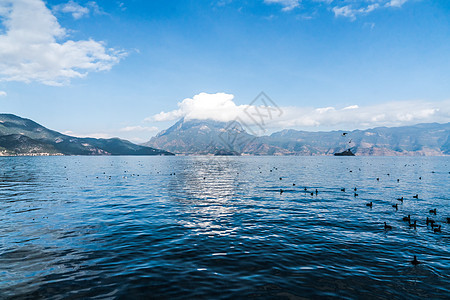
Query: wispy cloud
x=343 y=8
x=361 y=117
x=122 y=6
x=395 y=3
x=3 y=94
x=286 y=4
x=96 y=135
x=76 y=10
x=73 y=8
x=134 y=134
x=356 y=8
x=139 y=129
x=35 y=47
x=349 y=12
x=221 y=107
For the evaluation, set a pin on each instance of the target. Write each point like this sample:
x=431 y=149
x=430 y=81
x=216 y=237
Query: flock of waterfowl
x=432 y=224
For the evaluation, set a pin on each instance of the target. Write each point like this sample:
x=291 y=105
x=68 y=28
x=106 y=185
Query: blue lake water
x=218 y=227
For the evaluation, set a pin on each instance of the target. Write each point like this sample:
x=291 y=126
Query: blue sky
x=130 y=68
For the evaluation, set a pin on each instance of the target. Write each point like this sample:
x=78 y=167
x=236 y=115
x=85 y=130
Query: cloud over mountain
x=221 y=107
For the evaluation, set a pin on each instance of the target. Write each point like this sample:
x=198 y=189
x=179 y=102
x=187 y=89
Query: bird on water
x=433 y=211
x=416 y=196
x=415 y=261
x=387 y=227
x=369 y=204
x=407 y=219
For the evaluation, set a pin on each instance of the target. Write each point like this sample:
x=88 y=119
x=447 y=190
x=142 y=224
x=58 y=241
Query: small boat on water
x=345 y=153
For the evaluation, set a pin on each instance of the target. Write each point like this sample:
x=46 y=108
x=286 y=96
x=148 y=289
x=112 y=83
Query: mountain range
x=194 y=137
x=19 y=136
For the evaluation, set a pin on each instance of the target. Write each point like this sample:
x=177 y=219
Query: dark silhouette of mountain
x=19 y=136
x=212 y=137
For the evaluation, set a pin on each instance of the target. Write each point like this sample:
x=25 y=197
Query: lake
x=219 y=227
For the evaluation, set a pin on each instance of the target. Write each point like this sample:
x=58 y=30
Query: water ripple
x=219 y=227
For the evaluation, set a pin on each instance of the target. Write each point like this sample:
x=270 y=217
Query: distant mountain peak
x=205 y=136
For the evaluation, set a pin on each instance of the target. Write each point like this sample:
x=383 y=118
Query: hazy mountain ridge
x=421 y=139
x=20 y=136
x=192 y=137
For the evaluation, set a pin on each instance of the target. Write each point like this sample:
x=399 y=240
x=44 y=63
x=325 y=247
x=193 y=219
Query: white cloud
x=221 y=107
x=96 y=135
x=33 y=47
x=138 y=140
x=324 y=1
x=360 y=7
x=77 y=10
x=344 y=11
x=324 y=110
x=287 y=4
x=127 y=133
x=395 y=3
x=370 y=25
x=349 y=12
x=73 y=8
x=95 y=8
x=3 y=94
x=360 y=117
x=343 y=8
x=122 y=6
x=139 y=129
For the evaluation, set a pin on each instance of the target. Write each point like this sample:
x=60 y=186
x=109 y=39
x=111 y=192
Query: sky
x=132 y=68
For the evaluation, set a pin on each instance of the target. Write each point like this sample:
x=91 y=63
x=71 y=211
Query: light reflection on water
x=218 y=227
